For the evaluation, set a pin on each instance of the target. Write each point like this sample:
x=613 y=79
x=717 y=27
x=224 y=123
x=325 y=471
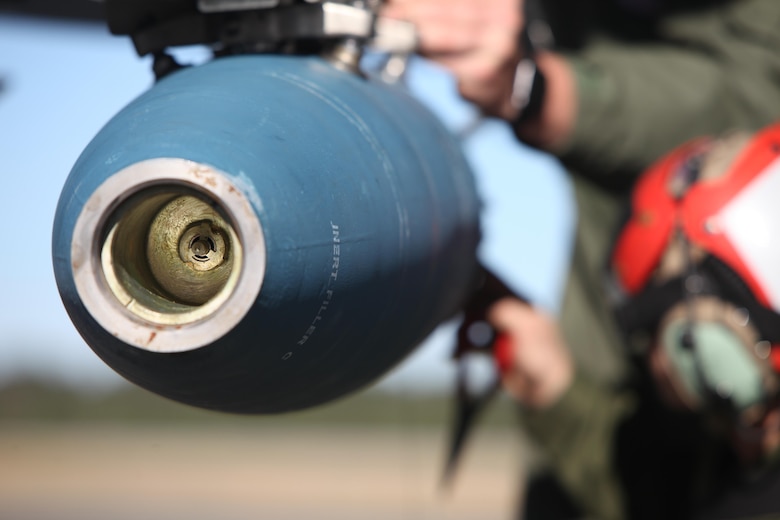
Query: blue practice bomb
x=262 y=234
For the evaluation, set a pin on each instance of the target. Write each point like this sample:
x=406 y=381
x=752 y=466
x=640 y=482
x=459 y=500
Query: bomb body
x=262 y=234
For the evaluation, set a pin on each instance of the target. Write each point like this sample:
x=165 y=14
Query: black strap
x=644 y=311
x=535 y=97
x=532 y=99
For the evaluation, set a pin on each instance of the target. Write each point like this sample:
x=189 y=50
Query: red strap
x=502 y=353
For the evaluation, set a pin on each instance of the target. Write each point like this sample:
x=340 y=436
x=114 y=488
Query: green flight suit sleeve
x=578 y=435
x=710 y=71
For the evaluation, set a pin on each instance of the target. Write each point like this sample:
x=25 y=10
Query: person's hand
x=538 y=369
x=477 y=40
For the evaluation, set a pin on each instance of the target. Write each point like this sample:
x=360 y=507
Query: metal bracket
x=237 y=26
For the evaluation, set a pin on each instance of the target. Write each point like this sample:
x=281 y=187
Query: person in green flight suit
x=609 y=87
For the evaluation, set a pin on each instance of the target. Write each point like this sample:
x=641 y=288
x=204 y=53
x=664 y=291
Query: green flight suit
x=695 y=68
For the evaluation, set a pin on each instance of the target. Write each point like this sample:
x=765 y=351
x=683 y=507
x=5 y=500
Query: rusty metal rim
x=143 y=327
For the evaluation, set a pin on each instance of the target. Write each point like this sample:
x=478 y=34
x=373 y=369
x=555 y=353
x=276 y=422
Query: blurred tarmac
x=70 y=471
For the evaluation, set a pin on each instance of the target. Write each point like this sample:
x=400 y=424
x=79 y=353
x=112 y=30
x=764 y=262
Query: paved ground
x=120 y=473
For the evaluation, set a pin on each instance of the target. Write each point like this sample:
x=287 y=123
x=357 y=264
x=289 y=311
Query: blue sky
x=64 y=80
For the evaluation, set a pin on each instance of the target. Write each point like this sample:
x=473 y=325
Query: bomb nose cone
x=189 y=250
x=168 y=255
